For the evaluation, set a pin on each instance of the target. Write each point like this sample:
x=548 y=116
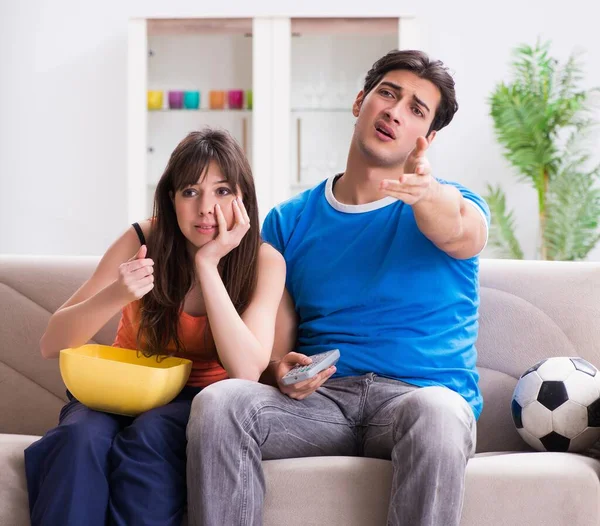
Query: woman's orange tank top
x=206 y=368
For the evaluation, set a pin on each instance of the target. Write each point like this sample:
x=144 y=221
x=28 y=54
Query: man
x=382 y=264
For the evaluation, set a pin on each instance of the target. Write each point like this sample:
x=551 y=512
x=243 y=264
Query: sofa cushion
x=495 y=428
x=14 y=503
x=536 y=489
x=533 y=489
x=530 y=310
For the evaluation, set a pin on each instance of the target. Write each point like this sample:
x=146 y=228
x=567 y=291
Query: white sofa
x=529 y=310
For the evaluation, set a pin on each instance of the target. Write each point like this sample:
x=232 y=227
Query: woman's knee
x=159 y=429
x=91 y=432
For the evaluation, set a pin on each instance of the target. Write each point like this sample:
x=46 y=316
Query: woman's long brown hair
x=174 y=274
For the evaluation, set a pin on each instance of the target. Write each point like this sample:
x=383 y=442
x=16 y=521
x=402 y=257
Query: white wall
x=63 y=92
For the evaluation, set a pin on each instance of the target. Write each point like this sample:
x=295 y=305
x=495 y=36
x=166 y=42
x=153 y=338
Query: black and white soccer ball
x=556 y=405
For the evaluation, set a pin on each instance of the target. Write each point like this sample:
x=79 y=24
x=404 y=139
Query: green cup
x=249 y=99
x=191 y=100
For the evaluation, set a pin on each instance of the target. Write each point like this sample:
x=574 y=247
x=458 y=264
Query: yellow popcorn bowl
x=121 y=381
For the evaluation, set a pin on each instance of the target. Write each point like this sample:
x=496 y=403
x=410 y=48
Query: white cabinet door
x=136 y=120
x=329 y=59
x=304 y=74
x=172 y=57
x=270 y=125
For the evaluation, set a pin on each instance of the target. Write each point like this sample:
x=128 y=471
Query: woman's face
x=195 y=206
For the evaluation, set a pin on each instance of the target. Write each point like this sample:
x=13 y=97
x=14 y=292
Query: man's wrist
x=432 y=195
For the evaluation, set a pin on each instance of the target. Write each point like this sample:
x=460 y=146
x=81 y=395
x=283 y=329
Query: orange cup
x=216 y=100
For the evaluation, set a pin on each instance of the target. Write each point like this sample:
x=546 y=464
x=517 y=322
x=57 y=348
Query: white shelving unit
x=304 y=74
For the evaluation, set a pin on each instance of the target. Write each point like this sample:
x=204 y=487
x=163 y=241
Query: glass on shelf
x=321 y=110
x=314 y=171
x=202 y=110
x=322 y=96
x=329 y=60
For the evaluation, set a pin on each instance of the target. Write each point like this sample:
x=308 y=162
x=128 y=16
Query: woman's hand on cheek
x=226 y=240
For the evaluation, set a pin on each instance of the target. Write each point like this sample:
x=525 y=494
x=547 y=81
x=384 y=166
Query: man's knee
x=223 y=397
x=445 y=417
x=223 y=404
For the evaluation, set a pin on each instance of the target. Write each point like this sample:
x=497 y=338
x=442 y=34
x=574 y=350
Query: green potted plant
x=544 y=123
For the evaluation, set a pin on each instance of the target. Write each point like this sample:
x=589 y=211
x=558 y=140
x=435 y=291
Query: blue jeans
x=97 y=468
x=428 y=433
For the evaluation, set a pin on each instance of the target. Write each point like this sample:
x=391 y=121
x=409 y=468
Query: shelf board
x=200 y=26
x=200 y=110
x=321 y=110
x=246 y=112
x=329 y=26
x=299 y=26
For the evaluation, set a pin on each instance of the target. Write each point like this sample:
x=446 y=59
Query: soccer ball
x=556 y=405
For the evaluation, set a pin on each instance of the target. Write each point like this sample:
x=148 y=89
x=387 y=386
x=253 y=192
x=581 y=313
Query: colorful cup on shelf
x=155 y=100
x=216 y=100
x=191 y=100
x=249 y=99
x=175 y=100
x=235 y=98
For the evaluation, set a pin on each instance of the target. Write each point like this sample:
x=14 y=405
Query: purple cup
x=235 y=99
x=175 y=100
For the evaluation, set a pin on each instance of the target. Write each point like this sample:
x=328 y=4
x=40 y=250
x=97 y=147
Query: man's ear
x=358 y=103
x=430 y=137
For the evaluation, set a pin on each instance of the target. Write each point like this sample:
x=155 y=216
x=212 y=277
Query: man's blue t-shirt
x=365 y=280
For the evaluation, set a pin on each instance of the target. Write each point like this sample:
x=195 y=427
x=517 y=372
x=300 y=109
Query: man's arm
x=451 y=222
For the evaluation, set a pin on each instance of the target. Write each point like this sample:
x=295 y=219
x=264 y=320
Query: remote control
x=320 y=362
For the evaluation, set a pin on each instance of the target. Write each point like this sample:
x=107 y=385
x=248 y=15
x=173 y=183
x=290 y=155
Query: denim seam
x=363 y=401
x=472 y=432
x=253 y=415
x=393 y=399
x=244 y=507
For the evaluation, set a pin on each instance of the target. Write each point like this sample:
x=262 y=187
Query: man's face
x=391 y=117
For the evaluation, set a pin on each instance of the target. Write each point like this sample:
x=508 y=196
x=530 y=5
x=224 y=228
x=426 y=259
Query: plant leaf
x=543 y=120
x=502 y=231
x=573 y=213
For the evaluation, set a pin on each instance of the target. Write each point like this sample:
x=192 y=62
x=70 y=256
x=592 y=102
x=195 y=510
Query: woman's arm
x=286 y=330
x=244 y=343
x=282 y=360
x=118 y=280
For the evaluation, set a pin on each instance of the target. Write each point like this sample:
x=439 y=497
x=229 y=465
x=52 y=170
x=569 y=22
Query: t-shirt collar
x=353 y=209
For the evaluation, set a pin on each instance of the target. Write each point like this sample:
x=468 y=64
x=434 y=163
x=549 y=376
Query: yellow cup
x=120 y=381
x=155 y=100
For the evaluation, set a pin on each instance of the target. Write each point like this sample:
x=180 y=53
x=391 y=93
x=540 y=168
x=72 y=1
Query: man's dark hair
x=421 y=65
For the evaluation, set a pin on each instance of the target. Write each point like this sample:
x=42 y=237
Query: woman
x=201 y=286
